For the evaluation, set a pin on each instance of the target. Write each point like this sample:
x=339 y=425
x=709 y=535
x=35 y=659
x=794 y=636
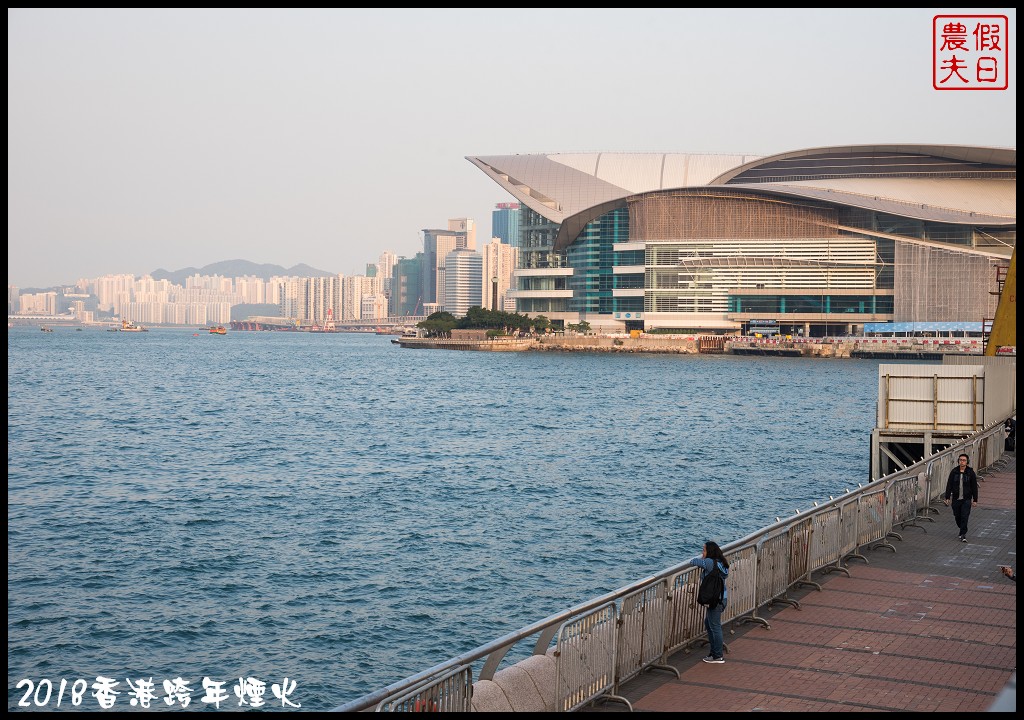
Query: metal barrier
x=826 y=550
x=686 y=617
x=872 y=520
x=849 y=509
x=903 y=500
x=923 y=498
x=585 y=659
x=608 y=640
x=773 y=569
x=742 y=585
x=642 y=626
x=450 y=692
x=800 y=553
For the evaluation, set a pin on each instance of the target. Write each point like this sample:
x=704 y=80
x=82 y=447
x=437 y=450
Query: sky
x=141 y=139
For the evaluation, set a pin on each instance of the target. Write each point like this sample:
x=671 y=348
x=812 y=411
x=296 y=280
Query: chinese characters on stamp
x=970 y=52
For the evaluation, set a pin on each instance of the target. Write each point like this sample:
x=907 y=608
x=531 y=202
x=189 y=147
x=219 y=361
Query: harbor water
x=338 y=511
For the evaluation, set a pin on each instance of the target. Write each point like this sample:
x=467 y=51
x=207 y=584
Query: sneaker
x=713 y=659
x=963 y=539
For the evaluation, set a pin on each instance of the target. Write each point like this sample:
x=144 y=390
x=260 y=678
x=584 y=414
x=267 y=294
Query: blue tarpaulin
x=914 y=328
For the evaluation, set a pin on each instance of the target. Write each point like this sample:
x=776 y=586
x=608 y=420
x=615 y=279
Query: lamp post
x=494 y=293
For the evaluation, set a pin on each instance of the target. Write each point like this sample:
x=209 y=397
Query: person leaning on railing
x=711 y=558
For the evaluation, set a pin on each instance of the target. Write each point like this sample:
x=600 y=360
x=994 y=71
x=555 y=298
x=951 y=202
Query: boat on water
x=218 y=330
x=328 y=326
x=127 y=326
x=46 y=329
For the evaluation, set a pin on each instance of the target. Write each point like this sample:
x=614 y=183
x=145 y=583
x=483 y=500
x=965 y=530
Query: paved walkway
x=931 y=627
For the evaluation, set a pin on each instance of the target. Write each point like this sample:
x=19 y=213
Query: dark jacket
x=706 y=565
x=953 y=483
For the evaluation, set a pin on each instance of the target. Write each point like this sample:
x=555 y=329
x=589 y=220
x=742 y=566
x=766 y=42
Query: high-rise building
x=290 y=299
x=374 y=307
x=43 y=303
x=505 y=223
x=499 y=263
x=320 y=294
x=251 y=288
x=113 y=289
x=386 y=270
x=406 y=294
x=386 y=264
x=461 y=233
x=463 y=281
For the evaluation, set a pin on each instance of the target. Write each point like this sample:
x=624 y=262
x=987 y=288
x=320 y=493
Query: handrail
x=757 y=580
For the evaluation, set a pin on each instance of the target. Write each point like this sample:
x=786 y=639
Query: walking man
x=962 y=492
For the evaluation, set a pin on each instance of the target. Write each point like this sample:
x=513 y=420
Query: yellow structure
x=1004 y=326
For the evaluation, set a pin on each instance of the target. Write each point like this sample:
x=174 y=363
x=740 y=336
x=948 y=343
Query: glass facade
x=537 y=252
x=537 y=241
x=592 y=259
x=406 y=291
x=780 y=305
x=505 y=223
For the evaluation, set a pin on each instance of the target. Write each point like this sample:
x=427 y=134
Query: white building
x=499 y=261
x=463 y=284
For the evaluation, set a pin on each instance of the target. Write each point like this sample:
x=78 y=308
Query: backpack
x=712 y=588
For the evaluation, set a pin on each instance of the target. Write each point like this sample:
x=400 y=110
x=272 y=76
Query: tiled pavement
x=931 y=627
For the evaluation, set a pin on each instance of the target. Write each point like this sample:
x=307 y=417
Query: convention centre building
x=812 y=242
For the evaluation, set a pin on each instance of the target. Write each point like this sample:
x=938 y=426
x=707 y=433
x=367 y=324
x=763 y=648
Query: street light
x=494 y=293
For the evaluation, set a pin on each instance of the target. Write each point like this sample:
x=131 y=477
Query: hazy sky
x=146 y=139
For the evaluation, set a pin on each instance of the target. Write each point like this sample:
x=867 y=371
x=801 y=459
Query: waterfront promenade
x=931 y=627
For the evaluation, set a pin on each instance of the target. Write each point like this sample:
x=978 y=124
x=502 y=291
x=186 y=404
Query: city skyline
x=388 y=287
x=284 y=273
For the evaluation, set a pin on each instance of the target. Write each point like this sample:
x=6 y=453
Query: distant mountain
x=239 y=268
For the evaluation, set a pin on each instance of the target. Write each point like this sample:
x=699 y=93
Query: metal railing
x=602 y=643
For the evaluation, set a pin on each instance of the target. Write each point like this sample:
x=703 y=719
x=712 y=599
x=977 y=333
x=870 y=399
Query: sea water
x=344 y=513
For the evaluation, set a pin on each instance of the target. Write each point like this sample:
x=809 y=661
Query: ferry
x=218 y=330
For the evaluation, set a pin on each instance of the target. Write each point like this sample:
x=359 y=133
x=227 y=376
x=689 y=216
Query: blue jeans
x=713 y=624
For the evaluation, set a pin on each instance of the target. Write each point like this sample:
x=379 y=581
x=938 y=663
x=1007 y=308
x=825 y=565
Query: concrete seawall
x=683 y=345
x=886 y=348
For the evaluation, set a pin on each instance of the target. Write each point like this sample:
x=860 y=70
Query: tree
x=478 y=318
x=540 y=323
x=582 y=327
x=438 y=324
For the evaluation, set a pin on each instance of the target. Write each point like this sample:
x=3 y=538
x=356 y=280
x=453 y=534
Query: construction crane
x=1004 y=325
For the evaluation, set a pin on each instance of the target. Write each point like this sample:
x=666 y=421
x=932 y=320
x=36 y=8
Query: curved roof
x=976 y=202
x=941 y=183
x=964 y=154
x=559 y=185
